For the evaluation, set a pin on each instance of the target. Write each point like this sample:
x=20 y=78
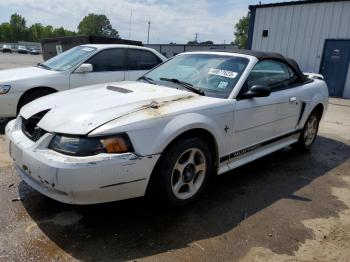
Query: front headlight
x=4 y=89
x=89 y=146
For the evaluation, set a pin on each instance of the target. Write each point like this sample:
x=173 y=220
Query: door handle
x=293 y=99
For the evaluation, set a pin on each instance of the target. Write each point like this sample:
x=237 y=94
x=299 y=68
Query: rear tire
x=182 y=172
x=309 y=132
x=31 y=96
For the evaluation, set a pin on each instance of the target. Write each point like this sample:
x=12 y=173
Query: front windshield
x=68 y=59
x=215 y=75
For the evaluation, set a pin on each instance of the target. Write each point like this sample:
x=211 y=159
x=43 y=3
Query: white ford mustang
x=197 y=115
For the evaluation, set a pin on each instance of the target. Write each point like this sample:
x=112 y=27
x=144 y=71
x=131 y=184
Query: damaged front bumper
x=77 y=180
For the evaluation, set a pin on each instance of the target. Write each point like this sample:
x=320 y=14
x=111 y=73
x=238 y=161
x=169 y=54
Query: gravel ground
x=18 y=60
x=285 y=207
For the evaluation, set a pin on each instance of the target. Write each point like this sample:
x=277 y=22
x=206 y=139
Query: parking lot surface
x=14 y=60
x=288 y=206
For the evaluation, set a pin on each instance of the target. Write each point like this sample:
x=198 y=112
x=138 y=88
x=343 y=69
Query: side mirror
x=257 y=91
x=84 y=68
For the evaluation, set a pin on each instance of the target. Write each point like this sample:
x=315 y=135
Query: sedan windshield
x=211 y=74
x=68 y=59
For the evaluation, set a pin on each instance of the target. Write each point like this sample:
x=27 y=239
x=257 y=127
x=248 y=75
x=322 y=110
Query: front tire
x=183 y=171
x=309 y=132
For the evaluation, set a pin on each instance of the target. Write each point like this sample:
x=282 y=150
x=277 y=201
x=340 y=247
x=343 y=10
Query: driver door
x=108 y=66
x=261 y=119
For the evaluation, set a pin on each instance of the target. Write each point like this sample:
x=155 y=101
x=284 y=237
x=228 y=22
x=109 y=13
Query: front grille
x=29 y=126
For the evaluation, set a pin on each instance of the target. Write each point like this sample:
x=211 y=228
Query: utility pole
x=196 y=38
x=149 y=27
x=130 y=23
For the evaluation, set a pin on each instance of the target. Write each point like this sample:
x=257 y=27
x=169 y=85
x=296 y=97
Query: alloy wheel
x=311 y=130
x=188 y=173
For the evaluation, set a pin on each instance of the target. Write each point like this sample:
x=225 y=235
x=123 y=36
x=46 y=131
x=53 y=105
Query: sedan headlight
x=89 y=146
x=4 y=89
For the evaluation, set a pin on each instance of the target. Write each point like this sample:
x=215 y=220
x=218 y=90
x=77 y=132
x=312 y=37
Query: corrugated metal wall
x=299 y=31
x=170 y=50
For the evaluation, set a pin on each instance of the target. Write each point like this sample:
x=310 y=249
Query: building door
x=335 y=64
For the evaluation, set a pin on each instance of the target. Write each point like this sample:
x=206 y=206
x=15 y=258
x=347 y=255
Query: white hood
x=10 y=75
x=81 y=110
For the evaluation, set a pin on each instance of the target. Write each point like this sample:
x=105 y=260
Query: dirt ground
x=285 y=207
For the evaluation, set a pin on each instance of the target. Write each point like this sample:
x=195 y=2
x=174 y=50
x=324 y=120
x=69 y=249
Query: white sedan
x=79 y=66
x=197 y=115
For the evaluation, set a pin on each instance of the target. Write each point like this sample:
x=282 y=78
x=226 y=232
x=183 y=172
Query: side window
x=142 y=60
x=293 y=77
x=272 y=74
x=108 y=60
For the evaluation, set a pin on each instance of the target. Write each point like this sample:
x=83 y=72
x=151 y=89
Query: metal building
x=316 y=33
x=56 y=45
x=169 y=50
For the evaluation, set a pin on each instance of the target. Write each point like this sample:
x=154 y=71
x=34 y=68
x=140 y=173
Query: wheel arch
x=319 y=108
x=203 y=134
x=33 y=89
x=190 y=124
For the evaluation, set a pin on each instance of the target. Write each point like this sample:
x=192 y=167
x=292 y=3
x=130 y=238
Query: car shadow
x=133 y=229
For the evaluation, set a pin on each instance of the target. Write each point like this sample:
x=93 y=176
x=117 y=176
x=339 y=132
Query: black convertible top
x=270 y=56
x=258 y=54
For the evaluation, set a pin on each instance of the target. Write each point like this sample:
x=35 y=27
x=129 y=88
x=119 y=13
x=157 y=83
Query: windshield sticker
x=222 y=85
x=224 y=73
x=87 y=49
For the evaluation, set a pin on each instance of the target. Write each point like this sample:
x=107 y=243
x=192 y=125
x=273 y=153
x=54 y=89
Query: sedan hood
x=81 y=110
x=10 y=75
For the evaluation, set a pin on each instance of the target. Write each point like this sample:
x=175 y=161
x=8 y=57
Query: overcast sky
x=171 y=20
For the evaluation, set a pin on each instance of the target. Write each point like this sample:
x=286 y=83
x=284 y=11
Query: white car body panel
x=78 y=80
x=152 y=116
x=24 y=79
x=78 y=181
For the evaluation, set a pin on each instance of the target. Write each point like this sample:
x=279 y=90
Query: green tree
x=98 y=25
x=209 y=42
x=58 y=32
x=48 y=31
x=18 y=28
x=241 y=32
x=194 y=42
x=5 y=32
x=36 y=32
x=69 y=33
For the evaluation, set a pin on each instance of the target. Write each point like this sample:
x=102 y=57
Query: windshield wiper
x=147 y=79
x=44 y=66
x=186 y=85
